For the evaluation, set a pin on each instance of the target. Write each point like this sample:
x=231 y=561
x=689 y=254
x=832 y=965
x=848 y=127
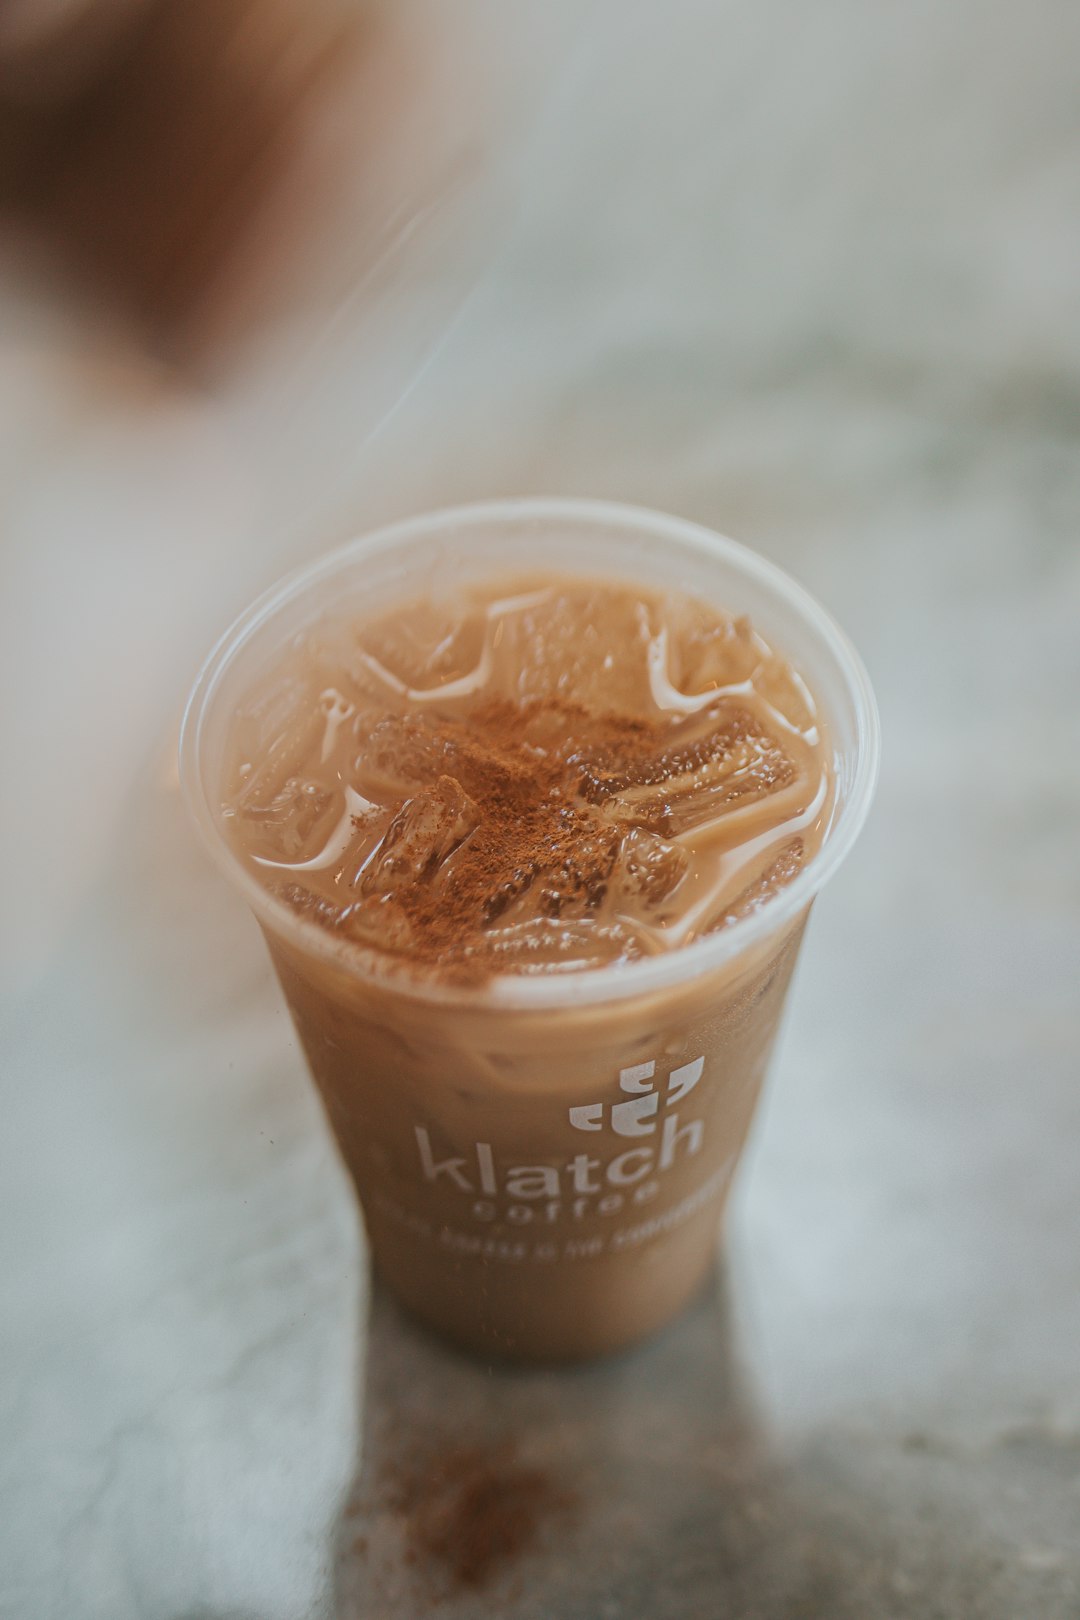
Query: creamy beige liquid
x=542 y=777
x=545 y=775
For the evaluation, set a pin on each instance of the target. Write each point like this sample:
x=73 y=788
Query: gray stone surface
x=810 y=275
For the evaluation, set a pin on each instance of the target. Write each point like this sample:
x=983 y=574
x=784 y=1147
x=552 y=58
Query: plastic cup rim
x=620 y=981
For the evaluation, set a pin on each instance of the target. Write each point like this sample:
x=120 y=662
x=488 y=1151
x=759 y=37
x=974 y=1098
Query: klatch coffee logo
x=597 y=1200
x=637 y=1117
x=588 y=1183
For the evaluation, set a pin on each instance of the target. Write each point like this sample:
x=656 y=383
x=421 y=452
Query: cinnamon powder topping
x=569 y=782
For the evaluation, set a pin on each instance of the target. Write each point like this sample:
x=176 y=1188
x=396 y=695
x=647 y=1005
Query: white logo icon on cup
x=637 y=1116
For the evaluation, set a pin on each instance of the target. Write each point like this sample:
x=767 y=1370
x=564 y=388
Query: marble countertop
x=810 y=276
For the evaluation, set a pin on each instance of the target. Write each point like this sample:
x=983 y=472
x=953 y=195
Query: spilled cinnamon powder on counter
x=471 y=1512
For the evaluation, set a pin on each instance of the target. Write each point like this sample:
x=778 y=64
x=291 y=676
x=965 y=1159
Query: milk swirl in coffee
x=545 y=775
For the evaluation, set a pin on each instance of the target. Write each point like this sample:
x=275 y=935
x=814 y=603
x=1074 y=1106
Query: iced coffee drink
x=526 y=847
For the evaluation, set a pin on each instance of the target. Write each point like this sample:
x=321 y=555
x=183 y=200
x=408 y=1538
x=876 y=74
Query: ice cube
x=704 y=651
x=703 y=654
x=503 y=900
x=267 y=713
x=314 y=907
x=424 y=832
x=404 y=752
x=780 y=871
x=546 y=729
x=689 y=774
x=430 y=645
x=292 y=740
x=648 y=868
x=546 y=944
x=368 y=823
x=292 y=820
x=569 y=882
x=577 y=646
x=787 y=694
x=377 y=921
x=575 y=883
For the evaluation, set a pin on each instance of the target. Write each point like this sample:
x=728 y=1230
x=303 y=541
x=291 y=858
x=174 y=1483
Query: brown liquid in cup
x=544 y=776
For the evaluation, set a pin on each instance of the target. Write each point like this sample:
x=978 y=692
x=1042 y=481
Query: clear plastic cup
x=542 y=1161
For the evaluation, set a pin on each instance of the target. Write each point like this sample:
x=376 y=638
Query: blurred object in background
x=143 y=138
x=213 y=167
x=284 y=201
x=50 y=48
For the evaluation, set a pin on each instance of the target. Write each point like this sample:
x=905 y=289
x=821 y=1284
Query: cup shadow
x=632 y=1486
